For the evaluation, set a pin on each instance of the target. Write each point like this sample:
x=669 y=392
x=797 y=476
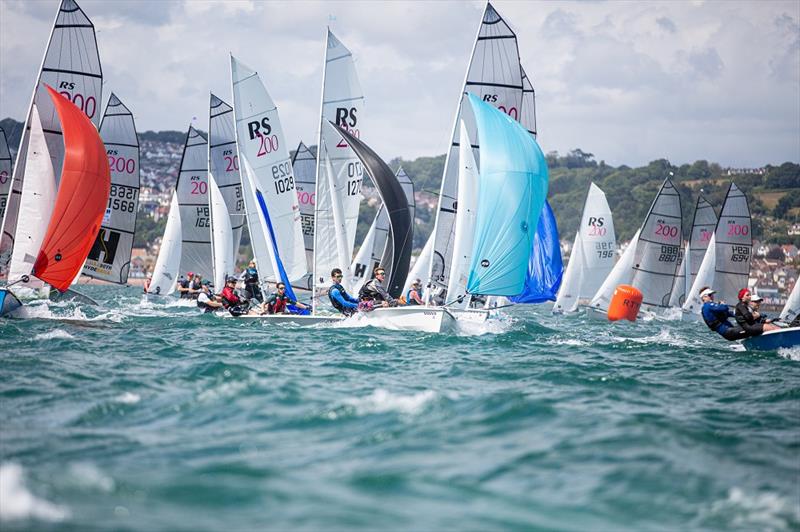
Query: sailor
x=373 y=293
x=184 y=285
x=206 y=300
x=147 y=283
x=252 y=290
x=196 y=286
x=340 y=299
x=414 y=294
x=716 y=316
x=749 y=318
x=231 y=300
x=279 y=301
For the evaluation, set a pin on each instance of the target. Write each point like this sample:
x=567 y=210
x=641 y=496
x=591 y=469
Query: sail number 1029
x=282 y=174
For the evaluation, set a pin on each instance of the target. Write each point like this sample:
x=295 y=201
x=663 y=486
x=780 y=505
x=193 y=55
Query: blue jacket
x=716 y=316
x=348 y=301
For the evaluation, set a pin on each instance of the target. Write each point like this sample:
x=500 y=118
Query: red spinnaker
x=81 y=199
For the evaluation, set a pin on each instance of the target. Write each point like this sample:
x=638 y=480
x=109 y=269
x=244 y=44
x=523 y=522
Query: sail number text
x=740 y=253
x=669 y=253
x=123 y=199
x=203 y=217
x=87 y=104
x=738 y=230
x=282 y=174
x=120 y=165
x=605 y=250
x=355 y=173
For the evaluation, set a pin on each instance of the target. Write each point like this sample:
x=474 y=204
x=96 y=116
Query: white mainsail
x=792 y=307
x=165 y=272
x=592 y=253
x=658 y=247
x=5 y=172
x=371 y=251
x=339 y=171
x=622 y=273
x=71 y=65
x=192 y=192
x=270 y=181
x=221 y=234
x=494 y=74
x=36 y=205
x=223 y=165
x=464 y=227
x=726 y=264
x=110 y=257
x=680 y=286
x=421 y=266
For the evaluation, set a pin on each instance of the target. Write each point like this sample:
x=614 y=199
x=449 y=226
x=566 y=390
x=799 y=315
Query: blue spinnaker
x=281 y=269
x=511 y=194
x=545 y=267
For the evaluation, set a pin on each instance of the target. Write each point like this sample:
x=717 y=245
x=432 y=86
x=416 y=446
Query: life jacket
x=368 y=292
x=712 y=320
x=251 y=276
x=338 y=306
x=277 y=304
x=229 y=297
x=205 y=306
x=410 y=300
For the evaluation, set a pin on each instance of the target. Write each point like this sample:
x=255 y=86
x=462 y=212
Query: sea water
x=147 y=415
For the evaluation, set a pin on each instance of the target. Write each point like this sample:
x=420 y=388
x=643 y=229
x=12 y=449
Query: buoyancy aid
x=336 y=304
x=277 y=304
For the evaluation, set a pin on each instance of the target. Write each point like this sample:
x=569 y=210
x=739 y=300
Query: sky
x=629 y=82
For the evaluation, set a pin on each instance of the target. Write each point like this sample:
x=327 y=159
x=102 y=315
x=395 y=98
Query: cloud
x=667 y=25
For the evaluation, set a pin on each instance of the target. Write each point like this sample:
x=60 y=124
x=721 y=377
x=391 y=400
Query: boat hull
x=418 y=318
x=773 y=340
x=8 y=302
x=290 y=319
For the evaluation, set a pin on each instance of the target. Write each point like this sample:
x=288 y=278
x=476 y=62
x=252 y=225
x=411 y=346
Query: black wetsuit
x=374 y=291
x=747 y=321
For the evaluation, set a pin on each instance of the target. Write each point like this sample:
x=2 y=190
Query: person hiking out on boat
x=206 y=300
x=373 y=294
x=278 y=302
x=716 y=316
x=340 y=299
x=414 y=294
x=749 y=318
x=185 y=284
x=231 y=300
x=252 y=290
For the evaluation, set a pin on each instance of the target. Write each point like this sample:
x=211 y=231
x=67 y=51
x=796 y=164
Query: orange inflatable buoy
x=625 y=303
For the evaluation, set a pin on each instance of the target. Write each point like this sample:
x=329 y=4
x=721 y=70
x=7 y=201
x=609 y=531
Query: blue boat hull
x=772 y=340
x=8 y=302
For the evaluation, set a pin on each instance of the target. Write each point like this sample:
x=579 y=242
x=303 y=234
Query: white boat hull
x=290 y=319
x=417 y=318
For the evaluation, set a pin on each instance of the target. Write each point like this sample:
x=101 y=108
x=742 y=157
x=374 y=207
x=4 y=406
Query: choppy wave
x=18 y=503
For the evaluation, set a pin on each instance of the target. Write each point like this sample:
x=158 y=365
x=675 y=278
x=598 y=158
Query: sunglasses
x=380 y=273
x=281 y=288
x=337 y=276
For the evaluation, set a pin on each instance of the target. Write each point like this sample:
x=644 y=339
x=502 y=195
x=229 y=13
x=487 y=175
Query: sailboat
x=225 y=197
x=71 y=64
x=271 y=203
x=304 y=167
x=703 y=224
x=339 y=171
x=79 y=205
x=110 y=256
x=650 y=262
x=726 y=263
x=592 y=255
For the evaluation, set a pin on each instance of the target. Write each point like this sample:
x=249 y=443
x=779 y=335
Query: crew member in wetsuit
x=748 y=318
x=184 y=285
x=340 y=299
x=277 y=302
x=716 y=317
x=414 y=295
x=250 y=278
x=374 y=294
x=206 y=300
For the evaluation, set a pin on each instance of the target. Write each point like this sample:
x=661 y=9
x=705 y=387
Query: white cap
x=707 y=292
x=756 y=298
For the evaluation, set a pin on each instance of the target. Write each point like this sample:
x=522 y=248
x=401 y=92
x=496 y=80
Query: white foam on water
x=498 y=323
x=665 y=336
x=128 y=398
x=756 y=511
x=19 y=503
x=53 y=335
x=226 y=389
x=89 y=477
x=381 y=401
x=792 y=353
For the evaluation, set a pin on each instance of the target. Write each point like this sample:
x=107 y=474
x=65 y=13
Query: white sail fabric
x=622 y=273
x=262 y=148
x=792 y=307
x=5 y=173
x=223 y=164
x=703 y=226
x=658 y=247
x=495 y=75
x=192 y=190
x=466 y=216
x=592 y=253
x=165 y=272
x=680 y=286
x=421 y=266
x=37 y=200
x=110 y=256
x=704 y=277
x=339 y=171
x=527 y=116
x=734 y=245
x=71 y=65
x=371 y=251
x=304 y=166
x=221 y=234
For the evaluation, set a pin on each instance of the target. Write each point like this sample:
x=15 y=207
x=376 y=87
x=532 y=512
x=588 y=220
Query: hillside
x=773 y=191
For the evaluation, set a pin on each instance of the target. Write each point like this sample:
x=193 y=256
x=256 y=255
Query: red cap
x=743 y=292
